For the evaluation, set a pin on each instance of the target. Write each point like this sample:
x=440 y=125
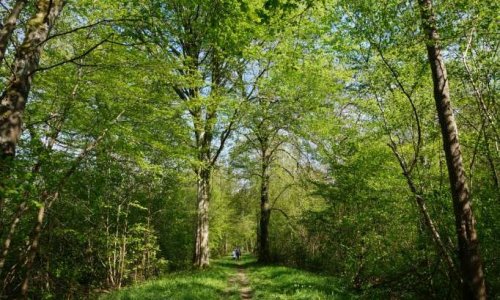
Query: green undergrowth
x=266 y=282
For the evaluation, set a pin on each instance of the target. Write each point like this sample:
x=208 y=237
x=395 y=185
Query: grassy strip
x=212 y=283
x=266 y=282
x=279 y=282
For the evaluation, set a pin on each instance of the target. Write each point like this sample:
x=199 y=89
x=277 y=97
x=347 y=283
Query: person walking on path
x=238 y=253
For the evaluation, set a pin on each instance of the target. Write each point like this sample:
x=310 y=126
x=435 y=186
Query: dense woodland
x=140 y=137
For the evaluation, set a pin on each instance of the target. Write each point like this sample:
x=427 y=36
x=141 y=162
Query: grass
x=189 y=285
x=280 y=282
x=266 y=282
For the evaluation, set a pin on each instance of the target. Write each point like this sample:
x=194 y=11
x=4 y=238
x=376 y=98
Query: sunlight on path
x=241 y=282
x=245 y=289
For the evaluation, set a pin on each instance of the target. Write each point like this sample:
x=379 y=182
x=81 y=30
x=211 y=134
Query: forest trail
x=240 y=282
x=244 y=284
x=244 y=279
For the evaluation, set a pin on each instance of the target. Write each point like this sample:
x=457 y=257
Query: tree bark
x=265 y=212
x=468 y=244
x=13 y=99
x=9 y=24
x=202 y=251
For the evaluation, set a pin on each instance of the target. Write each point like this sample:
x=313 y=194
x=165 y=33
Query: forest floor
x=244 y=279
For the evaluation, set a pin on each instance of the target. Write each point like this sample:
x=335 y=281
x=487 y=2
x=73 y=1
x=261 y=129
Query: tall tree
x=194 y=36
x=27 y=58
x=468 y=245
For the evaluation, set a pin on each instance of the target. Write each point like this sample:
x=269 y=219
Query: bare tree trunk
x=468 y=244
x=202 y=251
x=13 y=99
x=9 y=24
x=265 y=212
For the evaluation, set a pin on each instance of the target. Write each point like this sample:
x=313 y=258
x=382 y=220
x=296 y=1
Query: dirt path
x=245 y=289
x=240 y=280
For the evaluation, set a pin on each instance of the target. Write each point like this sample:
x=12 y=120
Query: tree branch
x=84 y=27
x=73 y=59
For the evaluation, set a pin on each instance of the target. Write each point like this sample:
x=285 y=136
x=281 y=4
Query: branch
x=276 y=146
x=282 y=212
x=224 y=136
x=287 y=217
x=477 y=91
x=83 y=27
x=182 y=94
x=72 y=60
x=283 y=190
x=413 y=107
x=256 y=81
x=91 y=146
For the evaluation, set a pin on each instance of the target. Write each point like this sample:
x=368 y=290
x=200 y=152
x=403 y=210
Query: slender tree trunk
x=491 y=160
x=468 y=244
x=23 y=206
x=123 y=248
x=202 y=253
x=265 y=212
x=10 y=234
x=429 y=223
x=35 y=241
x=13 y=99
x=434 y=232
x=9 y=24
x=48 y=200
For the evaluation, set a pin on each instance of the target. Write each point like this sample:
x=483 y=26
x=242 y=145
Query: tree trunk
x=202 y=253
x=429 y=223
x=23 y=206
x=265 y=214
x=435 y=234
x=13 y=99
x=48 y=200
x=9 y=24
x=10 y=234
x=468 y=244
x=35 y=242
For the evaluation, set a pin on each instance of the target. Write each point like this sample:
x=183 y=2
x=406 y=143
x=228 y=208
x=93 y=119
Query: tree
x=15 y=95
x=207 y=82
x=468 y=244
x=8 y=26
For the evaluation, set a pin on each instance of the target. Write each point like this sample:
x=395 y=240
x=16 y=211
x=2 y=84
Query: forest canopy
x=357 y=139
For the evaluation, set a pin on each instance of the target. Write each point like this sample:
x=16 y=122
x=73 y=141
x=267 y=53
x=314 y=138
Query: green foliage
x=327 y=84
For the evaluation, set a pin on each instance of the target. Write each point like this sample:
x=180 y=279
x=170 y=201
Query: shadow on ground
x=220 y=281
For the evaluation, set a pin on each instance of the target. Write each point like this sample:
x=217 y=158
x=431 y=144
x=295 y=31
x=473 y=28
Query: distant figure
x=238 y=253
x=234 y=254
